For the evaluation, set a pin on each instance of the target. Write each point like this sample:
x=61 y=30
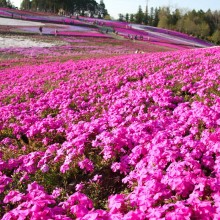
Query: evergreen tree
x=209 y=19
x=146 y=16
x=121 y=17
x=175 y=17
x=102 y=11
x=6 y=3
x=127 y=17
x=156 y=17
x=3 y=3
x=132 y=18
x=139 y=17
x=26 y=5
x=69 y=6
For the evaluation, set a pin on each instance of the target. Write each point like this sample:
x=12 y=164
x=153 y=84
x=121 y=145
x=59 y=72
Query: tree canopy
x=205 y=25
x=5 y=3
x=81 y=7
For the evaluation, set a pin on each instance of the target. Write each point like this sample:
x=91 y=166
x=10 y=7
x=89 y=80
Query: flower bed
x=82 y=34
x=178 y=34
x=39 y=17
x=107 y=23
x=135 y=137
x=68 y=47
x=49 y=29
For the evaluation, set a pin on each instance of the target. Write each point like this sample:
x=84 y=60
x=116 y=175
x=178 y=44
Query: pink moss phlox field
x=132 y=137
x=69 y=50
x=38 y=16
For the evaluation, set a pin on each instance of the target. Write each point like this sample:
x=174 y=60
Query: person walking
x=55 y=32
x=41 y=30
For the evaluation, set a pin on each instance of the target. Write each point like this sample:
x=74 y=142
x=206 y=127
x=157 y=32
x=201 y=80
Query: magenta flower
x=13 y=197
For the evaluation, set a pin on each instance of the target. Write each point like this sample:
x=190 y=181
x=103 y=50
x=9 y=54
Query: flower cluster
x=74 y=47
x=132 y=137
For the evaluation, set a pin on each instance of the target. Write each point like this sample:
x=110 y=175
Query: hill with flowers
x=91 y=130
x=93 y=27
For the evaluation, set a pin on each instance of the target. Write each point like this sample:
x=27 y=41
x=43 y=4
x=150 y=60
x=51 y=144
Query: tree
x=209 y=19
x=189 y=26
x=108 y=17
x=204 y=30
x=5 y=3
x=146 y=16
x=26 y=5
x=121 y=17
x=216 y=37
x=91 y=7
x=102 y=11
x=163 y=18
x=131 y=18
x=174 y=18
x=139 y=17
x=127 y=17
x=155 y=20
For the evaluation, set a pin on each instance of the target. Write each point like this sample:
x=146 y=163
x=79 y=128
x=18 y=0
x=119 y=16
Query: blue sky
x=115 y=7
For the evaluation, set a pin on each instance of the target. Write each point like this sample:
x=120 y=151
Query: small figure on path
x=41 y=30
x=55 y=32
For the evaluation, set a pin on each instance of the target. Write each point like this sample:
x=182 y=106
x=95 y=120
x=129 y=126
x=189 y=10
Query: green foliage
x=201 y=24
x=121 y=17
x=139 y=17
x=164 y=18
x=216 y=37
x=5 y=3
x=146 y=16
x=50 y=111
x=131 y=18
x=69 y=6
x=127 y=17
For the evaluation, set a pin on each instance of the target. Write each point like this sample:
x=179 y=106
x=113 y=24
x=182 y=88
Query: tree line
x=6 y=4
x=80 y=7
x=204 y=25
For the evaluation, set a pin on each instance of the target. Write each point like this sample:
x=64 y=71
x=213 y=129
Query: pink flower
x=79 y=186
x=115 y=203
x=86 y=164
x=13 y=196
x=45 y=168
x=56 y=192
x=97 y=178
x=64 y=168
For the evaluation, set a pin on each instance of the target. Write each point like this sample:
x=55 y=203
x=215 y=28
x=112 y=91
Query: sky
x=115 y=7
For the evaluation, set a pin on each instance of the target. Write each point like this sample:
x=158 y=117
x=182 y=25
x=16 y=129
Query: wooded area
x=205 y=25
x=81 y=7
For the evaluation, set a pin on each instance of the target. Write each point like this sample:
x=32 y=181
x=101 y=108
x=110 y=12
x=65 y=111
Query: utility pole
x=147 y=2
x=147 y=13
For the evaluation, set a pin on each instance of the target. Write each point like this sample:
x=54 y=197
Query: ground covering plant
x=71 y=48
x=128 y=137
x=78 y=26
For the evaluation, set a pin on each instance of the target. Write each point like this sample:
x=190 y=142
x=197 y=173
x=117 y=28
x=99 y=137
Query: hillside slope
x=132 y=137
